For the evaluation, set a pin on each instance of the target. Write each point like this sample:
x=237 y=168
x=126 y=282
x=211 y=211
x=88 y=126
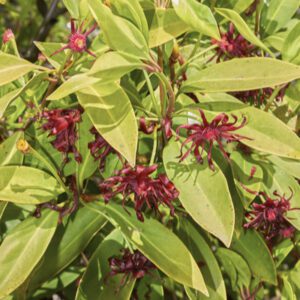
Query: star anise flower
x=219 y=130
x=77 y=40
x=146 y=191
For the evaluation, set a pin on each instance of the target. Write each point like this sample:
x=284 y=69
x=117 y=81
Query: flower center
x=77 y=42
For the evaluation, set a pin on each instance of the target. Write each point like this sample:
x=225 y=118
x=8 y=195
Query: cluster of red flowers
x=77 y=39
x=205 y=134
x=62 y=124
x=232 y=45
x=146 y=190
x=100 y=149
x=130 y=264
x=270 y=217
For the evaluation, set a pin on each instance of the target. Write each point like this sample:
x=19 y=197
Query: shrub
x=149 y=149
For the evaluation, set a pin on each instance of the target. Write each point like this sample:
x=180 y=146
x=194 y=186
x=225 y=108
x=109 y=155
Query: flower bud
x=7 y=36
x=23 y=146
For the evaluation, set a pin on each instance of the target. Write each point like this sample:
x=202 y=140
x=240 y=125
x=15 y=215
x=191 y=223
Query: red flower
x=232 y=45
x=99 y=148
x=218 y=130
x=77 y=40
x=7 y=36
x=149 y=127
x=130 y=264
x=259 y=97
x=270 y=217
x=146 y=190
x=62 y=124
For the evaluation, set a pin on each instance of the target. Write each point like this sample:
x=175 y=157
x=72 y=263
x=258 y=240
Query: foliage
x=149 y=149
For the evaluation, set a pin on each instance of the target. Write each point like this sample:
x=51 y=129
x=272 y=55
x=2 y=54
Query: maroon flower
x=100 y=148
x=77 y=39
x=148 y=127
x=62 y=124
x=129 y=264
x=218 y=130
x=7 y=36
x=146 y=190
x=259 y=97
x=232 y=45
x=270 y=217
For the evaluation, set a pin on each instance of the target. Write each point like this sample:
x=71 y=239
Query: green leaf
x=203 y=193
x=108 y=67
x=164 y=26
x=204 y=256
x=94 y=284
x=7 y=99
x=253 y=249
x=9 y=154
x=111 y=113
x=151 y=286
x=88 y=165
x=294 y=278
x=20 y=184
x=241 y=6
x=269 y=134
x=73 y=85
x=112 y=66
x=198 y=16
x=73 y=7
x=277 y=14
x=287 y=290
x=120 y=34
x=242 y=165
x=132 y=10
x=242 y=27
x=290 y=166
x=12 y=68
x=282 y=250
x=157 y=243
x=22 y=249
x=242 y=74
x=242 y=277
x=68 y=242
x=291 y=48
x=59 y=283
x=2 y=208
x=47 y=49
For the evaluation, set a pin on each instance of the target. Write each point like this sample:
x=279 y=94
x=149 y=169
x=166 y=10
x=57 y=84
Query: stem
x=160 y=62
x=257 y=17
x=213 y=4
x=53 y=84
x=153 y=98
x=196 y=47
x=271 y=99
x=154 y=149
x=171 y=103
x=190 y=60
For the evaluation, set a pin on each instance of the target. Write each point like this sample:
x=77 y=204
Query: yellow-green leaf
x=22 y=249
x=203 y=193
x=242 y=74
x=158 y=244
x=111 y=113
